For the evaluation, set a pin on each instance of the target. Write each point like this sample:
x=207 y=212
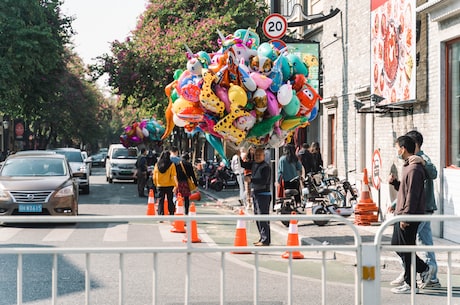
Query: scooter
x=324 y=198
x=287 y=204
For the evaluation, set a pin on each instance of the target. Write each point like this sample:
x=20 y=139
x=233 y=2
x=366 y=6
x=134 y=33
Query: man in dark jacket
x=141 y=166
x=306 y=158
x=261 y=194
x=410 y=201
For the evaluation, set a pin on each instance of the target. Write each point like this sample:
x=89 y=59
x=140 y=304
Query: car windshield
x=33 y=167
x=124 y=153
x=72 y=156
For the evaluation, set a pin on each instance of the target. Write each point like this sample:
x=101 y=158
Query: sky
x=99 y=22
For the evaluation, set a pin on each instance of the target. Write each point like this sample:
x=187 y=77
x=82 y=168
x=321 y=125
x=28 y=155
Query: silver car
x=38 y=184
x=78 y=164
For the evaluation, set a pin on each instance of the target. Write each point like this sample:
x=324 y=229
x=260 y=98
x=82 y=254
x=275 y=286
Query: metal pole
x=275 y=6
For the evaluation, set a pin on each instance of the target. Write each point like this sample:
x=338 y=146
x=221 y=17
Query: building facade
x=358 y=117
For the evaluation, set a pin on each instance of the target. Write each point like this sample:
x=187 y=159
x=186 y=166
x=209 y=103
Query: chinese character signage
x=393 y=49
x=309 y=53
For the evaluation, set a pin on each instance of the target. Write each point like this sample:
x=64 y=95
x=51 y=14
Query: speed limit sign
x=275 y=26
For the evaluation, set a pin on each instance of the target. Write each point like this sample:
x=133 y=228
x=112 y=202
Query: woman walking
x=184 y=171
x=165 y=179
x=289 y=167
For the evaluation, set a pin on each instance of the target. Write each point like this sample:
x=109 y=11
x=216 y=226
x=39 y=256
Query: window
x=453 y=102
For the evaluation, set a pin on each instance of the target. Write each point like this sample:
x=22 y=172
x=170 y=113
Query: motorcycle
x=223 y=178
x=205 y=171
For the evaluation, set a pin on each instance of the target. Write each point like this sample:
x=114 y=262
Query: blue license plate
x=30 y=208
x=126 y=172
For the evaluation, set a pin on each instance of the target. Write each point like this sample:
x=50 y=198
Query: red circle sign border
x=268 y=19
x=376 y=180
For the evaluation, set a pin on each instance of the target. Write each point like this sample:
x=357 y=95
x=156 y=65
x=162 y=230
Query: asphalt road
x=120 y=198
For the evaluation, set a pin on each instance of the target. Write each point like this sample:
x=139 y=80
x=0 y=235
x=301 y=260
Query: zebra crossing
x=105 y=233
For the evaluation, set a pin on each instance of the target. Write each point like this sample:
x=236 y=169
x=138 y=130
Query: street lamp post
x=6 y=126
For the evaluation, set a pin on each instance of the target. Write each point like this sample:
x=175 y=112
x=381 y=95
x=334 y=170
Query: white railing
x=378 y=247
x=187 y=248
x=367 y=288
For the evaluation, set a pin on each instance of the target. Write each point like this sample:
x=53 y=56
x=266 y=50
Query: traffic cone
x=365 y=192
x=293 y=240
x=151 y=204
x=366 y=211
x=179 y=225
x=194 y=232
x=165 y=207
x=195 y=196
x=240 y=235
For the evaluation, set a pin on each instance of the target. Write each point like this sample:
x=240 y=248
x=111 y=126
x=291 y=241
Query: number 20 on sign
x=275 y=26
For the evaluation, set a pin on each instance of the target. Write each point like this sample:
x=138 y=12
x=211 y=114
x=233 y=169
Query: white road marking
x=59 y=234
x=7 y=233
x=116 y=232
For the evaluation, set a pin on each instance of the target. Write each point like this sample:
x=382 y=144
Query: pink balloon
x=222 y=93
x=273 y=107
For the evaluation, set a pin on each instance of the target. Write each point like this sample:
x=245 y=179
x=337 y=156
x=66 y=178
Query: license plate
x=277 y=206
x=126 y=173
x=30 y=208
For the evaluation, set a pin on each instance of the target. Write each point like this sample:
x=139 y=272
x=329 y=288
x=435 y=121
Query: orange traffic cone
x=194 y=232
x=179 y=225
x=240 y=235
x=293 y=240
x=165 y=207
x=151 y=204
x=195 y=196
x=366 y=211
x=365 y=192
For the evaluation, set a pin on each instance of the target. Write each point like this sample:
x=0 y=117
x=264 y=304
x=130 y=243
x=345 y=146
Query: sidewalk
x=336 y=233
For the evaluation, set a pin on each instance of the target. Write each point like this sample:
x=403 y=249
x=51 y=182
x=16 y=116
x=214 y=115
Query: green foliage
x=143 y=65
x=42 y=81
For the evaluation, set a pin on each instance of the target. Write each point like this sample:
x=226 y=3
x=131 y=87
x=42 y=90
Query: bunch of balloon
x=145 y=131
x=246 y=92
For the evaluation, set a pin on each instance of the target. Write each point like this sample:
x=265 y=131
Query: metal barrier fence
x=187 y=248
x=367 y=287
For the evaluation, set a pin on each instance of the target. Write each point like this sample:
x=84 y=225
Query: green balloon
x=293 y=106
x=178 y=73
x=264 y=127
x=174 y=95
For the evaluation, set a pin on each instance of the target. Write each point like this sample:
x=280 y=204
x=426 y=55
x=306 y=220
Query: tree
x=143 y=64
x=43 y=82
x=32 y=54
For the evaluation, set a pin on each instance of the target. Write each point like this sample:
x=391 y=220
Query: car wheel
x=85 y=189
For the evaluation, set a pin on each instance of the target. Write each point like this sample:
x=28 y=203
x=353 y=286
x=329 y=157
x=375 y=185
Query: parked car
x=78 y=164
x=98 y=160
x=87 y=162
x=38 y=184
x=120 y=163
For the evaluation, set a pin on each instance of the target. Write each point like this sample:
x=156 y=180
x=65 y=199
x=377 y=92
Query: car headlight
x=64 y=192
x=4 y=195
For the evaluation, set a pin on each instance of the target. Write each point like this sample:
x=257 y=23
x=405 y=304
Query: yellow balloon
x=180 y=104
x=237 y=96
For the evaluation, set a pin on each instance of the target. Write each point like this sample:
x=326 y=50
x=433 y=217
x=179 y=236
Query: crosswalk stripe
x=59 y=234
x=7 y=233
x=116 y=232
x=168 y=236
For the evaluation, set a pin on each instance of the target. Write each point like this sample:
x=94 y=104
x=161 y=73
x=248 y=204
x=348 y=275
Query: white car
x=120 y=163
x=78 y=164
